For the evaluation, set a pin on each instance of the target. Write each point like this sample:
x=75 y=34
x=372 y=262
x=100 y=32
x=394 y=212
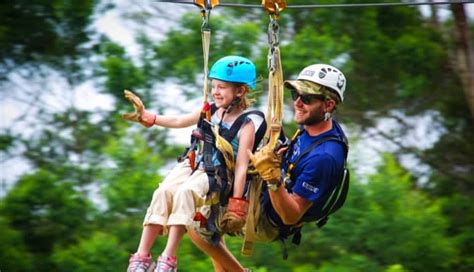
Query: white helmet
x=325 y=75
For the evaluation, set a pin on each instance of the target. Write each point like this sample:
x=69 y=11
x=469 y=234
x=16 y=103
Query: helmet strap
x=229 y=108
x=327 y=116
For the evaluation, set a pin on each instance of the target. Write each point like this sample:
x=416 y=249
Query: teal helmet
x=234 y=69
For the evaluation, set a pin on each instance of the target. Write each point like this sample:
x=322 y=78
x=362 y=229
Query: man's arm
x=290 y=207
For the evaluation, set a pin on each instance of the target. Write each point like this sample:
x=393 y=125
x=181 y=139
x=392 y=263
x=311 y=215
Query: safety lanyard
x=275 y=77
x=206 y=7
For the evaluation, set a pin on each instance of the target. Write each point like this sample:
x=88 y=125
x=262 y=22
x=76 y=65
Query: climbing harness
x=197 y=136
x=334 y=200
x=211 y=141
x=221 y=177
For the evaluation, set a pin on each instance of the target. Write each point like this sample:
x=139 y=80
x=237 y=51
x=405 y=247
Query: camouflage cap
x=309 y=87
x=305 y=87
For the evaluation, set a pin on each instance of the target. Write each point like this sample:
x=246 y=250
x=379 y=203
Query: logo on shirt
x=296 y=150
x=310 y=187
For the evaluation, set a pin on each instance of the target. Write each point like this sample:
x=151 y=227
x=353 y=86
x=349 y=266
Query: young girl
x=175 y=201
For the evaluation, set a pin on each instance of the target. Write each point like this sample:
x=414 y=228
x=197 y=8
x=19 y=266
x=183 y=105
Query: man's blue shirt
x=316 y=173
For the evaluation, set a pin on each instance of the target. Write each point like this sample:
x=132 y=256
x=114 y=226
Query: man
x=311 y=168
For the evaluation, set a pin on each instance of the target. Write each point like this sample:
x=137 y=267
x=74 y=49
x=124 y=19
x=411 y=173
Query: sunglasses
x=305 y=98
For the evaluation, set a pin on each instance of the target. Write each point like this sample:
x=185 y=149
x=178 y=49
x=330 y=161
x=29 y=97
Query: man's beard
x=314 y=118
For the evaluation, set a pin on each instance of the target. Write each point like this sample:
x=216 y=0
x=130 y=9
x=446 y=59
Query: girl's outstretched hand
x=140 y=115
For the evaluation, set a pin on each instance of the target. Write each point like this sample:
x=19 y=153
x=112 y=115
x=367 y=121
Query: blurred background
x=76 y=179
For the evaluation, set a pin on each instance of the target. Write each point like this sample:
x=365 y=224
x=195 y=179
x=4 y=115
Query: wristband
x=274 y=186
x=147 y=119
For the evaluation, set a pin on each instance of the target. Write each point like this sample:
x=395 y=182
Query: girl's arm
x=180 y=121
x=148 y=119
x=247 y=139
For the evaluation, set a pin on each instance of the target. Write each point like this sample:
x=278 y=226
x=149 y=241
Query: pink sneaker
x=140 y=264
x=166 y=264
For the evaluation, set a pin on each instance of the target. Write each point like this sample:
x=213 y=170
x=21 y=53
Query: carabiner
x=273 y=41
x=206 y=13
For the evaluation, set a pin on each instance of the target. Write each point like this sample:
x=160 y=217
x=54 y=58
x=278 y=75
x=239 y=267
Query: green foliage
x=392 y=223
x=44 y=32
x=47 y=211
x=101 y=251
x=120 y=71
x=180 y=55
x=133 y=176
x=13 y=249
x=461 y=211
x=312 y=46
x=350 y=262
x=6 y=142
x=393 y=60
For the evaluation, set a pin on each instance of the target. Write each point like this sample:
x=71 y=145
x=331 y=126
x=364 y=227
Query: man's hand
x=140 y=115
x=267 y=163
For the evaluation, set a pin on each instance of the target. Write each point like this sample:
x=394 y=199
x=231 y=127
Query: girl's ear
x=240 y=91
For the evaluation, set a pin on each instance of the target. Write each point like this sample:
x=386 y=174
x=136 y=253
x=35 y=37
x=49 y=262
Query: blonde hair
x=245 y=101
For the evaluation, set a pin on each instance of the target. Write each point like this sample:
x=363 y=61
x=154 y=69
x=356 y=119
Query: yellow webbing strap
x=274 y=117
x=206 y=37
x=275 y=100
x=206 y=41
x=253 y=215
x=225 y=148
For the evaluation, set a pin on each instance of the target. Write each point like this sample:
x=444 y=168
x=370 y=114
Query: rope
x=360 y=5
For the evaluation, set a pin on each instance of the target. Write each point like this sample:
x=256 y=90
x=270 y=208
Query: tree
x=385 y=222
x=36 y=33
x=397 y=65
x=13 y=249
x=46 y=211
x=464 y=55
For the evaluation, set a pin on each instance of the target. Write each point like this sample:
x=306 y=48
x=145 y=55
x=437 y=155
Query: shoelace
x=165 y=265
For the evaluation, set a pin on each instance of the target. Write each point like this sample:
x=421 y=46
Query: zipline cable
x=309 y=6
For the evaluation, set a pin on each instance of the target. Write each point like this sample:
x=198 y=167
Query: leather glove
x=140 y=115
x=236 y=215
x=267 y=163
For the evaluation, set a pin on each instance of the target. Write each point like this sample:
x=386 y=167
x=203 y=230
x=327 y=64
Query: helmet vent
x=340 y=80
x=234 y=69
x=322 y=73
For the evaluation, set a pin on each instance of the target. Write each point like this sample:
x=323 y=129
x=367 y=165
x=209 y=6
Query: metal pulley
x=274 y=7
x=206 y=4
